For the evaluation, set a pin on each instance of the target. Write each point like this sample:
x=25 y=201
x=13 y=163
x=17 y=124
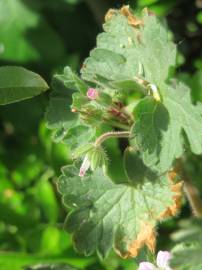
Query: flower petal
x=163 y=258
x=84 y=166
x=146 y=266
x=92 y=93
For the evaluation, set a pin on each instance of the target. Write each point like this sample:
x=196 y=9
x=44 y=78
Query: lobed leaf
x=59 y=115
x=151 y=120
x=122 y=216
x=72 y=81
x=160 y=133
x=131 y=47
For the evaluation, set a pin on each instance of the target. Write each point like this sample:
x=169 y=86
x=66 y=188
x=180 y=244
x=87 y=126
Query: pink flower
x=84 y=167
x=92 y=93
x=146 y=266
x=162 y=261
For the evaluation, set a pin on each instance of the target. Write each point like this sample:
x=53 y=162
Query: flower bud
x=97 y=157
x=92 y=93
x=94 y=158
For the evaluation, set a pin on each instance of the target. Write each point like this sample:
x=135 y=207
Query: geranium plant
x=126 y=94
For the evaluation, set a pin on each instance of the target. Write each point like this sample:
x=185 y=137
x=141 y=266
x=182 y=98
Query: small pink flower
x=162 y=261
x=84 y=166
x=92 y=93
x=163 y=258
x=146 y=266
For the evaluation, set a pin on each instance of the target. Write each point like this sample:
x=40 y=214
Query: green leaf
x=104 y=63
x=136 y=170
x=22 y=34
x=47 y=203
x=78 y=135
x=17 y=83
x=194 y=81
x=187 y=254
x=15 y=19
x=50 y=267
x=125 y=52
x=156 y=52
x=17 y=261
x=159 y=128
x=72 y=81
x=106 y=215
x=59 y=115
x=130 y=85
x=151 y=121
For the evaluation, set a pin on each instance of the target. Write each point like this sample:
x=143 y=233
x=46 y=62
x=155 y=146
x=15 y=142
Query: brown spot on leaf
x=110 y=13
x=132 y=20
x=146 y=236
x=177 y=196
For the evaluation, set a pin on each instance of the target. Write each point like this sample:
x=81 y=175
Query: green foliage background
x=45 y=36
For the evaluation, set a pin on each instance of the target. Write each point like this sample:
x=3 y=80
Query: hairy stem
x=117 y=124
x=111 y=134
x=191 y=192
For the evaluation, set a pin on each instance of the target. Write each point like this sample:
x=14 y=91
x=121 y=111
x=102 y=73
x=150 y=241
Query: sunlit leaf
x=124 y=51
x=17 y=83
x=159 y=133
x=106 y=215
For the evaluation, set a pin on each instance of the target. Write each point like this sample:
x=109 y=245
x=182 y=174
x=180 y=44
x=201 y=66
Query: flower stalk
x=111 y=134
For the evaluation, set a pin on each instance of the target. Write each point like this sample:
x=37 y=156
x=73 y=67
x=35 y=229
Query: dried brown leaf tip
x=110 y=14
x=146 y=236
x=177 y=196
x=132 y=20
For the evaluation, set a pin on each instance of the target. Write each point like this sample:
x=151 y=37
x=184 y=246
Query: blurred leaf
x=46 y=197
x=50 y=241
x=50 y=267
x=17 y=83
x=163 y=8
x=187 y=254
x=72 y=2
x=195 y=83
x=199 y=17
x=18 y=261
x=15 y=19
x=22 y=34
